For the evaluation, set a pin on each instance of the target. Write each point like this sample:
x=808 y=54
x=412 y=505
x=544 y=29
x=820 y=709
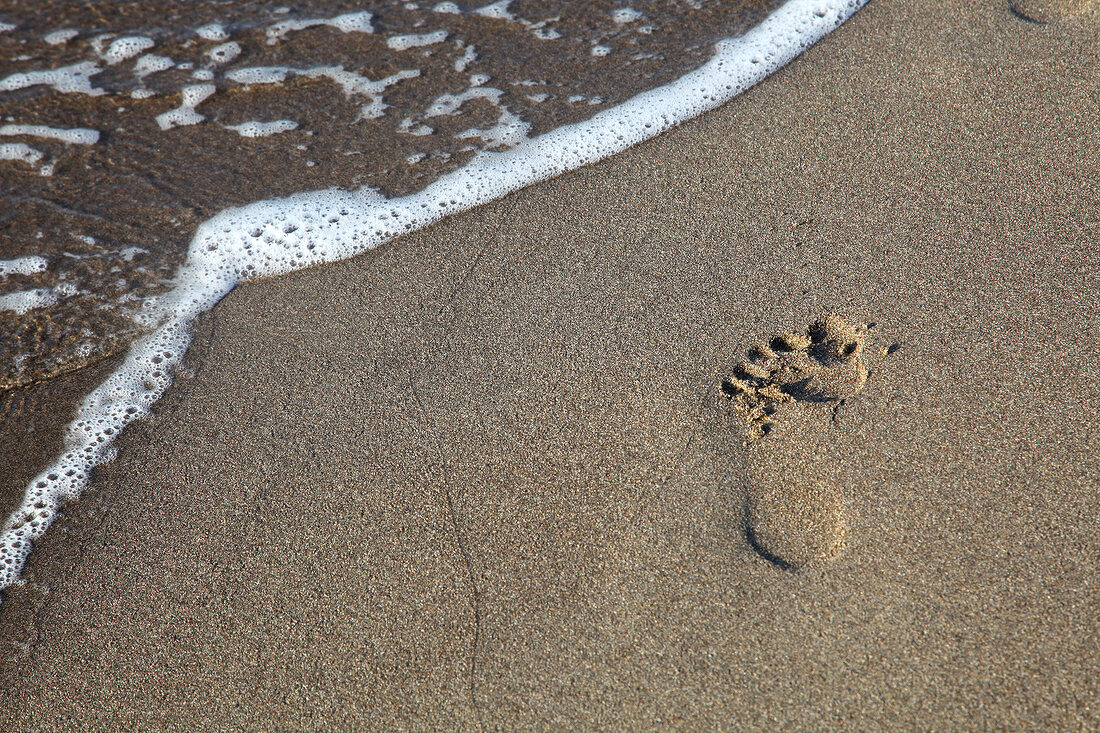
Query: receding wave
x=127 y=124
x=473 y=141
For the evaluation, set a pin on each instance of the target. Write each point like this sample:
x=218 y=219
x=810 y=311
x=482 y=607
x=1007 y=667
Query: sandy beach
x=487 y=477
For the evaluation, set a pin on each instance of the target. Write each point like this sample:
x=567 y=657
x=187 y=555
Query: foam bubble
x=212 y=32
x=59 y=37
x=126 y=48
x=509 y=129
x=23 y=265
x=74 y=136
x=224 y=53
x=281 y=235
x=622 y=16
x=255 y=128
x=352 y=84
x=150 y=63
x=259 y=74
x=66 y=79
x=25 y=300
x=185 y=114
x=497 y=10
x=359 y=22
x=409 y=126
x=469 y=55
x=400 y=43
x=447 y=8
x=21 y=152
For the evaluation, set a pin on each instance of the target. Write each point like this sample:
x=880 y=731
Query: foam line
x=75 y=136
x=281 y=235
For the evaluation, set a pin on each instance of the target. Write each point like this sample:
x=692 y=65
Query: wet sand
x=482 y=477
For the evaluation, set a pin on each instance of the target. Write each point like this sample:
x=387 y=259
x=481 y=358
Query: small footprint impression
x=788 y=393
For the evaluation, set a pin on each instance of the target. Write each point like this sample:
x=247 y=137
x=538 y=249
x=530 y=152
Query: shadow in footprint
x=761 y=549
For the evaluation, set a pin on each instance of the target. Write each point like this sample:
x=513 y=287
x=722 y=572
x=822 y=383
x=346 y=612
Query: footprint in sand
x=1050 y=11
x=788 y=393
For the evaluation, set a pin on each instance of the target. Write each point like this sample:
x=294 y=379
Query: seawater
x=150 y=163
x=124 y=125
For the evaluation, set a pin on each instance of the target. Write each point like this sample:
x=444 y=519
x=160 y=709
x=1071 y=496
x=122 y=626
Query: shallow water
x=158 y=115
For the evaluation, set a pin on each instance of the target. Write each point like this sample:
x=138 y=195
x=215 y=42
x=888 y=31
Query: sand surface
x=483 y=478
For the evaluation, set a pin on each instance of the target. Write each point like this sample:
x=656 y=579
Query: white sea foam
x=74 y=136
x=66 y=79
x=185 y=114
x=126 y=48
x=259 y=74
x=26 y=300
x=497 y=10
x=23 y=265
x=151 y=63
x=254 y=128
x=625 y=15
x=212 y=32
x=409 y=126
x=509 y=129
x=469 y=55
x=59 y=37
x=5 y=27
x=224 y=53
x=352 y=84
x=349 y=22
x=21 y=152
x=129 y=253
x=400 y=43
x=278 y=236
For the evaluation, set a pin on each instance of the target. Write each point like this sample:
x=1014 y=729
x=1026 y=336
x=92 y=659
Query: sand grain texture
x=473 y=480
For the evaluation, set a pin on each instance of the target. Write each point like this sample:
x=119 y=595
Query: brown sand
x=475 y=479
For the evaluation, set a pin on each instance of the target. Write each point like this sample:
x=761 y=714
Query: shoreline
x=262 y=239
x=471 y=479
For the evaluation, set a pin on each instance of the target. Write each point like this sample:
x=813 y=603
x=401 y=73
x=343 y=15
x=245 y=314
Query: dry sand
x=479 y=479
